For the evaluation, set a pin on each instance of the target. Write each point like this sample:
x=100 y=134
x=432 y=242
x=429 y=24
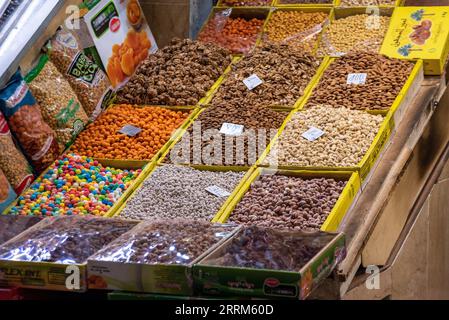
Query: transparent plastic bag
x=238 y=34
x=67 y=240
x=37 y=139
x=88 y=81
x=11 y=226
x=176 y=241
x=60 y=107
x=265 y=248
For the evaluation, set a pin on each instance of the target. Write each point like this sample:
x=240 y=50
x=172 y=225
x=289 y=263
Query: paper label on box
x=312 y=134
x=252 y=81
x=356 y=78
x=217 y=191
x=231 y=129
x=130 y=130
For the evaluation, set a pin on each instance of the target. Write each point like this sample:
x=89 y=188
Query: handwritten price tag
x=252 y=81
x=130 y=130
x=231 y=129
x=312 y=134
x=356 y=78
x=217 y=191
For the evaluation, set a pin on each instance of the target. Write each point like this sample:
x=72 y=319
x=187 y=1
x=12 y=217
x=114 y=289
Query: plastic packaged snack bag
x=60 y=107
x=12 y=161
x=89 y=82
x=37 y=139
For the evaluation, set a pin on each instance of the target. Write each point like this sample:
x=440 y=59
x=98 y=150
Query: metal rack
x=29 y=24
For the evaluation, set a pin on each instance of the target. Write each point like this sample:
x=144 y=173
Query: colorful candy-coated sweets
x=75 y=185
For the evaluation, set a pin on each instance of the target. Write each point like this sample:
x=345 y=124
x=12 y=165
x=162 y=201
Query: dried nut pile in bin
x=245 y=3
x=103 y=139
x=177 y=241
x=357 y=32
x=64 y=240
x=348 y=134
x=305 y=1
x=295 y=28
x=351 y=3
x=260 y=125
x=74 y=185
x=180 y=191
x=239 y=34
x=385 y=78
x=178 y=75
x=288 y=202
x=264 y=248
x=285 y=74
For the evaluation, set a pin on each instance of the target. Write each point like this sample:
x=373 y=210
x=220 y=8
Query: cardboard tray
x=337 y=214
x=266 y=283
x=157 y=278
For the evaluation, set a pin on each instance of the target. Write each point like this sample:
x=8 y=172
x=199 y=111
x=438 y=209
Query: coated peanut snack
x=348 y=134
x=245 y=3
x=59 y=105
x=66 y=240
x=385 y=78
x=239 y=35
x=265 y=248
x=102 y=139
x=260 y=125
x=285 y=73
x=360 y=32
x=351 y=3
x=288 y=202
x=174 y=241
x=179 y=191
x=179 y=74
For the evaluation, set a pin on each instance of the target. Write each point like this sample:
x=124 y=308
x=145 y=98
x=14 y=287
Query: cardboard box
x=213 y=279
x=122 y=37
x=419 y=33
x=106 y=273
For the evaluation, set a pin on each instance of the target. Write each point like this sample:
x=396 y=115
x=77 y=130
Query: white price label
x=130 y=130
x=231 y=129
x=217 y=191
x=252 y=81
x=356 y=78
x=312 y=134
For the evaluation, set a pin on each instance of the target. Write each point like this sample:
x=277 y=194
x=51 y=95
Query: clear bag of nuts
x=13 y=163
x=67 y=240
x=175 y=241
x=86 y=78
x=60 y=107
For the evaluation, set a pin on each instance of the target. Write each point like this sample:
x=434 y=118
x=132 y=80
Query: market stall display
x=178 y=75
x=59 y=105
x=112 y=137
x=54 y=243
x=237 y=31
x=75 y=185
x=172 y=191
x=273 y=263
x=156 y=256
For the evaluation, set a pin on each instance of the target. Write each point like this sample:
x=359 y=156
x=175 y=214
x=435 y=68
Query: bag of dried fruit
x=7 y=194
x=60 y=107
x=12 y=161
x=86 y=78
x=37 y=139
